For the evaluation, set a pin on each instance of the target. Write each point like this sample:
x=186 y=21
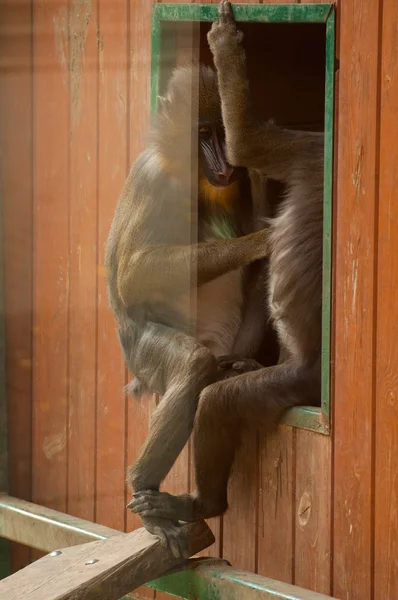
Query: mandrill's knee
x=203 y=365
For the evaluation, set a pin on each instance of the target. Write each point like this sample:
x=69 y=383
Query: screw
x=92 y=561
x=55 y=553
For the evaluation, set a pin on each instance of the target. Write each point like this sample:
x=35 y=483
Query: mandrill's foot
x=224 y=34
x=169 y=532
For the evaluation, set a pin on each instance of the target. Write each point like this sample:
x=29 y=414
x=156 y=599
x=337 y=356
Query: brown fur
x=177 y=286
x=294 y=291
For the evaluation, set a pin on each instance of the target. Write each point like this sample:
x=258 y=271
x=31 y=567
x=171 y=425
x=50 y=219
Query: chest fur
x=215 y=309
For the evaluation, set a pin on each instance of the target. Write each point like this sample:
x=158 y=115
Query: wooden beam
x=105 y=569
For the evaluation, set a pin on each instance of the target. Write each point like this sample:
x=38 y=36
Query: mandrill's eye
x=204 y=130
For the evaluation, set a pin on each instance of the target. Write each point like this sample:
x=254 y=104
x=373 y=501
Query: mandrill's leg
x=182 y=368
x=251 y=399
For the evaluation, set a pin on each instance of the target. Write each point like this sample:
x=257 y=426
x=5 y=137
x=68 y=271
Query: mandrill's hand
x=233 y=365
x=224 y=39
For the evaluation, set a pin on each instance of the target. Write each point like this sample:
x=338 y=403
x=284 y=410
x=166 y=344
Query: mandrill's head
x=188 y=125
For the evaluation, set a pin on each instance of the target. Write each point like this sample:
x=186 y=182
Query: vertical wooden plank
x=386 y=457
x=83 y=258
x=276 y=489
x=177 y=482
x=113 y=98
x=140 y=55
x=313 y=512
x=239 y=528
x=16 y=203
x=139 y=412
x=50 y=252
x=139 y=111
x=313 y=501
x=5 y=550
x=313 y=494
x=355 y=306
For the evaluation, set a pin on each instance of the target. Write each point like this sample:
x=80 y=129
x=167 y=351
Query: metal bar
x=49 y=530
x=221 y=582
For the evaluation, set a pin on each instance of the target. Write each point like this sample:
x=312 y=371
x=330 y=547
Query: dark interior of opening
x=286 y=65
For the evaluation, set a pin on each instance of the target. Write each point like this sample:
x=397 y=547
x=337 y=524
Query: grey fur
x=177 y=291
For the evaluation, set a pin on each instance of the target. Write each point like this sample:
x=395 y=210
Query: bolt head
x=92 y=561
x=55 y=553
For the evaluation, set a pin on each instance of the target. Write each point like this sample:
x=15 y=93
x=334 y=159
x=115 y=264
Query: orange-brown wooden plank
x=275 y=512
x=239 y=532
x=16 y=205
x=313 y=512
x=139 y=112
x=112 y=40
x=139 y=412
x=83 y=259
x=386 y=458
x=51 y=252
x=355 y=300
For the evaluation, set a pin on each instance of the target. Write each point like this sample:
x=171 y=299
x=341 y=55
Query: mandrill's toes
x=169 y=534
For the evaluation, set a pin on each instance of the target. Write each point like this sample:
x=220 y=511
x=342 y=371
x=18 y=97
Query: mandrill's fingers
x=224 y=32
x=225 y=12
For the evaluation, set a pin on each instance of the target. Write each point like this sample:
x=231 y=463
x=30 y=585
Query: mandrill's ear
x=164 y=104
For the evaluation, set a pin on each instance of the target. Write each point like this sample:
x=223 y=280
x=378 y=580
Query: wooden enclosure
x=312 y=509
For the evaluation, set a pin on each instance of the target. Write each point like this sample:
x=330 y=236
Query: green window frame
x=315 y=419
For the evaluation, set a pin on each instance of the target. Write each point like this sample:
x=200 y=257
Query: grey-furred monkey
x=294 y=290
x=182 y=271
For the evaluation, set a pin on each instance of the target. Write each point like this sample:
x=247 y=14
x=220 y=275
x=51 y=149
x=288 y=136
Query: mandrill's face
x=189 y=117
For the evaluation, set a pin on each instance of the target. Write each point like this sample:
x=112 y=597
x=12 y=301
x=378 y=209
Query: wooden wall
x=74 y=102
